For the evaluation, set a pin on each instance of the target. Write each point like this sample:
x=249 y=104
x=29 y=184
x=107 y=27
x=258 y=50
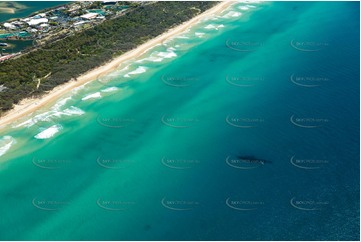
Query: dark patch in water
x=147 y=227
x=252 y=159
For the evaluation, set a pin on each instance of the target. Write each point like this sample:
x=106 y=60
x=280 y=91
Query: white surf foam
x=139 y=70
x=5 y=144
x=243 y=8
x=60 y=103
x=168 y=54
x=72 y=111
x=49 y=132
x=40 y=117
x=212 y=26
x=150 y=59
x=26 y=123
x=110 y=89
x=199 y=34
x=181 y=37
x=232 y=14
x=75 y=90
x=92 y=96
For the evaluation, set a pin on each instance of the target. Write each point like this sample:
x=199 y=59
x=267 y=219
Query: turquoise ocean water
x=244 y=127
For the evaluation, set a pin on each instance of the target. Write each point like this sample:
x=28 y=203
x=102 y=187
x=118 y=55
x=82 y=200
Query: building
x=9 y=26
x=89 y=16
x=34 y=22
x=109 y=2
x=79 y=23
x=40 y=15
x=6 y=57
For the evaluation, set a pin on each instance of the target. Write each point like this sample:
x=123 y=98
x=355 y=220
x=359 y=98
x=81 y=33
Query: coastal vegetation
x=69 y=57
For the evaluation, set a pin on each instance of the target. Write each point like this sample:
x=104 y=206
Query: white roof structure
x=9 y=26
x=110 y=1
x=38 y=21
x=79 y=23
x=40 y=15
x=89 y=15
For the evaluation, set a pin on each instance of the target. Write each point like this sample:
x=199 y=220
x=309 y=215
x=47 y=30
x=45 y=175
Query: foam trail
x=244 y=8
x=110 y=89
x=199 y=34
x=92 y=96
x=49 y=132
x=232 y=14
x=5 y=144
x=139 y=70
x=181 y=37
x=151 y=59
x=211 y=26
x=168 y=54
x=72 y=111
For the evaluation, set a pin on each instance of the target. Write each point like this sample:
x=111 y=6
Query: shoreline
x=30 y=105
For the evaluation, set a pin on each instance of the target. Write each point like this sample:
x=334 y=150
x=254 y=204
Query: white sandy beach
x=28 y=106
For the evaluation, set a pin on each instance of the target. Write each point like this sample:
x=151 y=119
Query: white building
x=9 y=26
x=89 y=16
x=79 y=23
x=34 y=22
x=40 y=15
